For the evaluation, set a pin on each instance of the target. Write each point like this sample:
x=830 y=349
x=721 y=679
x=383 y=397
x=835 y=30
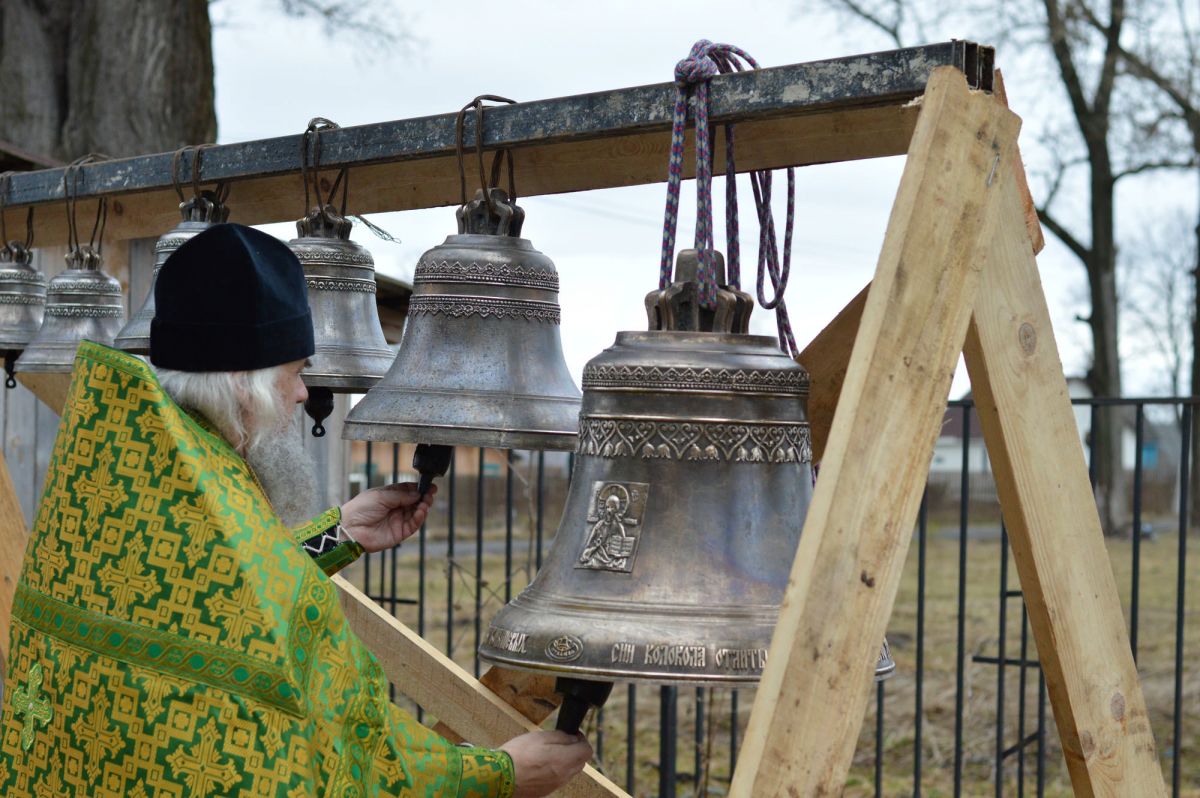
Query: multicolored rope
x=704 y=61
x=694 y=71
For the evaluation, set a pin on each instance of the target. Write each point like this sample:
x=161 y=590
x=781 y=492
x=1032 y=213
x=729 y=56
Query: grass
x=1156 y=657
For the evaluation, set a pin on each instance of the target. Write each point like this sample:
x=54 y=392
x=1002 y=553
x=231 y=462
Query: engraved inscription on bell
x=614 y=525
x=623 y=653
x=741 y=659
x=676 y=655
x=507 y=640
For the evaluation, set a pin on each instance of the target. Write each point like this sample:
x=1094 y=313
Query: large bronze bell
x=202 y=211
x=22 y=301
x=81 y=302
x=692 y=479
x=481 y=361
x=351 y=352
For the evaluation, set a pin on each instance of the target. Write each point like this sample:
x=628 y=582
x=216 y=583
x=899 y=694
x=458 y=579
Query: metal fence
x=966 y=713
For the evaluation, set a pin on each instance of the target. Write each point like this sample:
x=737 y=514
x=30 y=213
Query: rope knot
x=698 y=66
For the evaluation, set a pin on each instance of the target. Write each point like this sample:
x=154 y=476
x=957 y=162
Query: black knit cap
x=231 y=298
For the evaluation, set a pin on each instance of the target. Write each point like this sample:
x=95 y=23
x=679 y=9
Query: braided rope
x=704 y=61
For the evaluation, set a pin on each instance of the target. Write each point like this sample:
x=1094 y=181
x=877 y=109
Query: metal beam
x=589 y=141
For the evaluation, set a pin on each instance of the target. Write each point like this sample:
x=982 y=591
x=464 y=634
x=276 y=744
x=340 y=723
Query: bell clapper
x=430 y=461
x=579 y=695
x=10 y=359
x=318 y=405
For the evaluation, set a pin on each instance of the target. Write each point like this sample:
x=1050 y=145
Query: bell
x=481 y=362
x=351 y=353
x=198 y=213
x=22 y=299
x=81 y=302
x=692 y=479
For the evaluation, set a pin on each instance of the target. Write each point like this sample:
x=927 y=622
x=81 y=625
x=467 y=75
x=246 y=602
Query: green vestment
x=170 y=638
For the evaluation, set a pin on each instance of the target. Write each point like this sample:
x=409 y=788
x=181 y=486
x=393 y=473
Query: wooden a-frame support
x=956 y=274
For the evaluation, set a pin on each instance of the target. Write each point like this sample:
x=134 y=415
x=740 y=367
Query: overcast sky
x=273 y=74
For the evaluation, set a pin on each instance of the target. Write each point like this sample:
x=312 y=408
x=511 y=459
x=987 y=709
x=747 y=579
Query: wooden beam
x=550 y=168
x=1053 y=526
x=1033 y=225
x=531 y=694
x=441 y=687
x=810 y=703
x=828 y=355
x=826 y=358
x=837 y=84
x=13 y=537
x=51 y=389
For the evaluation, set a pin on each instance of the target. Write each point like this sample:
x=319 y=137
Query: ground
x=1156 y=633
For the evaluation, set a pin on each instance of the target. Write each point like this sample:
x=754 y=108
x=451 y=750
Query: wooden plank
x=827 y=358
x=828 y=355
x=541 y=169
x=14 y=534
x=441 y=687
x=531 y=694
x=50 y=389
x=1053 y=526
x=814 y=690
x=1029 y=208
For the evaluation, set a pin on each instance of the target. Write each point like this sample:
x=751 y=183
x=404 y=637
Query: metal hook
x=311 y=140
x=459 y=150
x=175 y=161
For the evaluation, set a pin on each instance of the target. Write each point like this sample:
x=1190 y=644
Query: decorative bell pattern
x=81 y=302
x=481 y=362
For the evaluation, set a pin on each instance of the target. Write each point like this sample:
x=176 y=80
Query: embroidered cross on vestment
x=29 y=702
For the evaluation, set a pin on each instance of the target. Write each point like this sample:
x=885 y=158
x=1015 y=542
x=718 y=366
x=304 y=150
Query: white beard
x=286 y=473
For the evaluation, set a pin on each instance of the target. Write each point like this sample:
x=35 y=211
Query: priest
x=175 y=631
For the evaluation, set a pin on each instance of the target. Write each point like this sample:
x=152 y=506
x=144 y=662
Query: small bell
x=81 y=302
x=351 y=352
x=22 y=301
x=481 y=362
x=199 y=213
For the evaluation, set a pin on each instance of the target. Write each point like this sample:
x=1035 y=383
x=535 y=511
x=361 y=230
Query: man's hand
x=543 y=761
x=380 y=518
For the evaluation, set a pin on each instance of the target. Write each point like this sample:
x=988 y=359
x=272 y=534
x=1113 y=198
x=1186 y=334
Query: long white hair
x=253 y=413
x=245 y=406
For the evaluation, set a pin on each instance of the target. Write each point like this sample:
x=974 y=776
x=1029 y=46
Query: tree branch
x=1057 y=27
x=856 y=9
x=1112 y=56
x=1064 y=235
x=1142 y=69
x=1151 y=166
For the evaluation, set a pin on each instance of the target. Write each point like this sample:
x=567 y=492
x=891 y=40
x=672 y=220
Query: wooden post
x=814 y=690
x=441 y=687
x=1053 y=526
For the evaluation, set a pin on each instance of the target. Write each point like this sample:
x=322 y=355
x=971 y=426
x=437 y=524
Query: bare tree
x=375 y=25
x=113 y=76
x=125 y=77
x=1164 y=55
x=1089 y=155
x=1157 y=298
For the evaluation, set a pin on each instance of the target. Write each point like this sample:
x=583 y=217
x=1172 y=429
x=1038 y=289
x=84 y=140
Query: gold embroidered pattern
x=29 y=702
x=171 y=638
